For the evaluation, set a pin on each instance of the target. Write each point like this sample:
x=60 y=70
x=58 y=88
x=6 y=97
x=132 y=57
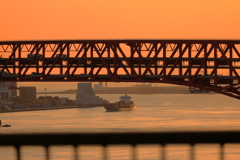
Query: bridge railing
x=126 y=138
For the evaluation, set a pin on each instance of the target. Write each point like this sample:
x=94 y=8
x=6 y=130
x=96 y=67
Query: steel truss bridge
x=212 y=65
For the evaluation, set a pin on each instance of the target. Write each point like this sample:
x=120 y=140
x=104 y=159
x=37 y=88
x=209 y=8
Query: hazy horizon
x=62 y=86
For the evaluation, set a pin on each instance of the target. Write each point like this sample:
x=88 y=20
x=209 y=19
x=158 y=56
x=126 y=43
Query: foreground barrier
x=133 y=139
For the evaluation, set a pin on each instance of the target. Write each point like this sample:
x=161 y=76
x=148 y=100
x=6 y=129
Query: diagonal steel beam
x=154 y=59
x=201 y=65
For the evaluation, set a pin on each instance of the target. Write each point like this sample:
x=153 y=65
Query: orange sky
x=75 y=19
x=95 y=19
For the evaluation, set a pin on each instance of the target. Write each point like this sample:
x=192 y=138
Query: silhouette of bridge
x=212 y=65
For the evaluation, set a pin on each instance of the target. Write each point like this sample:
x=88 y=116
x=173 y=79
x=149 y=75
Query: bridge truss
x=213 y=65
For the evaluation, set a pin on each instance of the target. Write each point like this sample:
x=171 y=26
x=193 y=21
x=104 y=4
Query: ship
x=6 y=125
x=195 y=90
x=125 y=104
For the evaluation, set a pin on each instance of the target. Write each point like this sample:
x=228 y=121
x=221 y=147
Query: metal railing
x=133 y=139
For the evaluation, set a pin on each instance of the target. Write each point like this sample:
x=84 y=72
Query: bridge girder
x=208 y=64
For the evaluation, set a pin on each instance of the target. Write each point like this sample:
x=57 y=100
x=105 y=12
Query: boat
x=125 y=104
x=6 y=125
x=198 y=90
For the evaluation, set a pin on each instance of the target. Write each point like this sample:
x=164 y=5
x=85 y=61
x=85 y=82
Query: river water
x=154 y=112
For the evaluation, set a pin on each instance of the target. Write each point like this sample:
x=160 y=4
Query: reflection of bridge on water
x=208 y=64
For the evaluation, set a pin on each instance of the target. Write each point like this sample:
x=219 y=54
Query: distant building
x=6 y=93
x=63 y=101
x=86 y=95
x=99 y=86
x=13 y=91
x=28 y=94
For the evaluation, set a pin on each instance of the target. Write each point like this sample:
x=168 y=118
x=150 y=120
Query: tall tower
x=28 y=94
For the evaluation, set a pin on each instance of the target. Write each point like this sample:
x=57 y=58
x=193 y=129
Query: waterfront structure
x=6 y=91
x=63 y=101
x=86 y=96
x=28 y=94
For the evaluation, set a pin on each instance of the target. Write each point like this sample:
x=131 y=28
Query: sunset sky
x=118 y=19
x=94 y=19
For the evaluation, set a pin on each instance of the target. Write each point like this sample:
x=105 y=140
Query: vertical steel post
x=164 y=59
x=68 y=62
x=45 y=97
x=230 y=56
x=180 y=59
x=156 y=58
x=189 y=62
x=19 y=62
x=205 y=55
x=215 y=65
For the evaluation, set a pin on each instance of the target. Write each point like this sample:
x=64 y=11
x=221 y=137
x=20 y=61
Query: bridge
x=212 y=65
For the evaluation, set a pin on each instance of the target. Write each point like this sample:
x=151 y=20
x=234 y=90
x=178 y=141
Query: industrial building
x=100 y=86
x=8 y=90
x=27 y=94
x=86 y=96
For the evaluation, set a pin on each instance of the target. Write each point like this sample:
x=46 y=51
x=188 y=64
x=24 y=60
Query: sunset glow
x=119 y=79
x=21 y=20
